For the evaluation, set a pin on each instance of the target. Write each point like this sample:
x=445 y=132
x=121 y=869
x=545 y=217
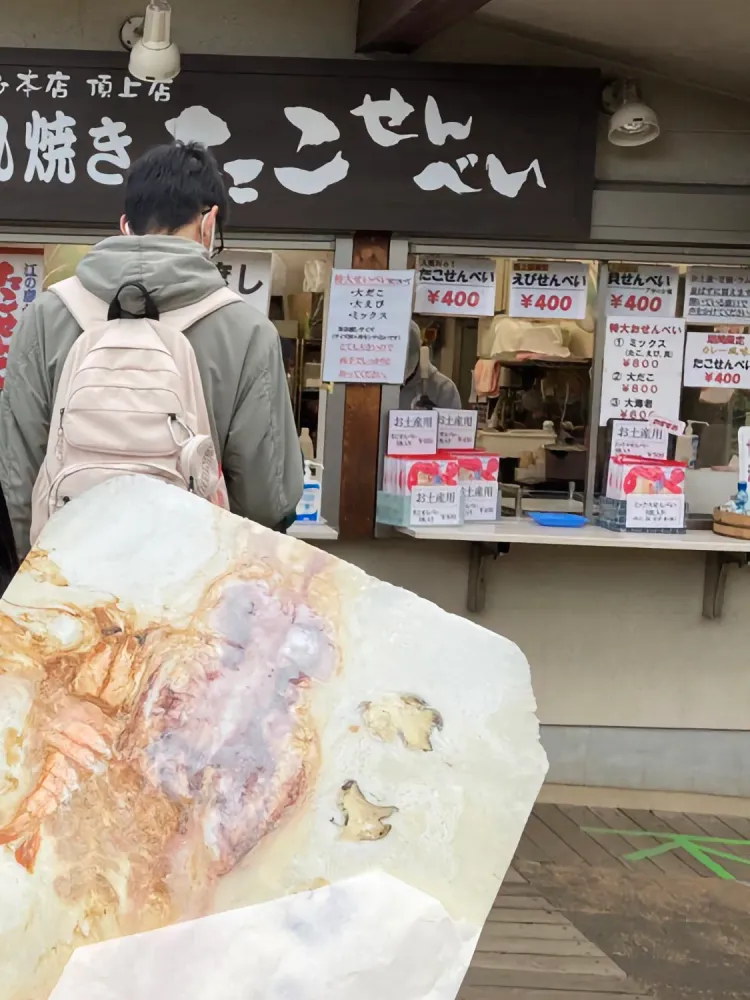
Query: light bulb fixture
x=154 y=57
x=633 y=123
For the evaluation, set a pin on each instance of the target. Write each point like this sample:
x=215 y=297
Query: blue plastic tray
x=558 y=519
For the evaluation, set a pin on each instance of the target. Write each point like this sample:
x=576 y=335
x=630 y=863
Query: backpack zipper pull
x=59 y=445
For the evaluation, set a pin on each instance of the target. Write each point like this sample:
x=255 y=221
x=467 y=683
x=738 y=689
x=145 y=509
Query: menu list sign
x=717 y=295
x=642 y=290
x=642 y=368
x=367 y=331
x=455 y=286
x=721 y=359
x=548 y=290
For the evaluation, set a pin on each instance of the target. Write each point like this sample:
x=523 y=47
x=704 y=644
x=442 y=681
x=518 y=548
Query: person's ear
x=124 y=227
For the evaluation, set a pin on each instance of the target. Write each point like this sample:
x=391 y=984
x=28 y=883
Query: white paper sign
x=455 y=286
x=717 y=359
x=412 y=432
x=367 y=332
x=642 y=290
x=548 y=290
x=21 y=280
x=634 y=437
x=457 y=429
x=642 y=368
x=717 y=295
x=435 y=506
x=658 y=511
x=480 y=501
x=248 y=273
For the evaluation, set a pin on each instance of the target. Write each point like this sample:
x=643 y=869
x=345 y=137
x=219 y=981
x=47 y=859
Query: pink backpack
x=129 y=401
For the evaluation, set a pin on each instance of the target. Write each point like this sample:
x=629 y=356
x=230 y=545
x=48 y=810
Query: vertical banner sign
x=717 y=295
x=367 y=332
x=717 y=359
x=455 y=286
x=642 y=290
x=21 y=279
x=249 y=274
x=642 y=368
x=548 y=290
x=634 y=437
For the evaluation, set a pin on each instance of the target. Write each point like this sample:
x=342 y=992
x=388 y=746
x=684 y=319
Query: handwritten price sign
x=641 y=290
x=721 y=359
x=548 y=290
x=455 y=286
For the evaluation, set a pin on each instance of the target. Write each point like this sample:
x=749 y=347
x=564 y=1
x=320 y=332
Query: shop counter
x=310 y=531
x=490 y=540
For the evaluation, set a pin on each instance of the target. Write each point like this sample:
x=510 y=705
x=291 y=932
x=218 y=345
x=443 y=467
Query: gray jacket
x=239 y=359
x=437 y=387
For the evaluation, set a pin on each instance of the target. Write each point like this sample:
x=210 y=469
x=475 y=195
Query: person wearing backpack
x=145 y=362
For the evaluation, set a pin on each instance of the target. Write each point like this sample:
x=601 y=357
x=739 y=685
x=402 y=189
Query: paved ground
x=606 y=904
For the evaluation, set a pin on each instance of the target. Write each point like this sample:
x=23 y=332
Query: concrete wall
x=631 y=682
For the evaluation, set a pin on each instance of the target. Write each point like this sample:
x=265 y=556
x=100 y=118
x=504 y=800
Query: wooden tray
x=731 y=525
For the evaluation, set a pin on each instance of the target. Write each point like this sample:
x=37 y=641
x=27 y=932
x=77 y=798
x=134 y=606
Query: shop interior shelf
x=524 y=531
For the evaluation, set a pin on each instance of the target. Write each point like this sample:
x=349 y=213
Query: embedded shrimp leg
x=58 y=777
x=74 y=744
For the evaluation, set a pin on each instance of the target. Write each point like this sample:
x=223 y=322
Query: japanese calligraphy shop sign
x=457 y=429
x=548 y=290
x=21 y=278
x=436 y=506
x=313 y=145
x=721 y=359
x=249 y=274
x=717 y=295
x=455 y=286
x=367 y=331
x=642 y=368
x=634 y=437
x=412 y=432
x=642 y=290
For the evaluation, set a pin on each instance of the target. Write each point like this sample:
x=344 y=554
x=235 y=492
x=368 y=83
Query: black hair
x=170 y=186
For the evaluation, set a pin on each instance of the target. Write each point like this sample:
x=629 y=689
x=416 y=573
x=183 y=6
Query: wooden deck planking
x=548 y=841
x=502 y=915
x=570 y=832
x=573 y=965
x=615 y=846
x=615 y=819
x=521 y=993
x=674 y=863
x=536 y=932
x=492 y=979
x=536 y=946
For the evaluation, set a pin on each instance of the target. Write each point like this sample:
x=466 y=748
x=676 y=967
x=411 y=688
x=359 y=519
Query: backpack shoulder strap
x=85 y=307
x=182 y=319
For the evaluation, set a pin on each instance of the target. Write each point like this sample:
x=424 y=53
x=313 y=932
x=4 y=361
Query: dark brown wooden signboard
x=309 y=145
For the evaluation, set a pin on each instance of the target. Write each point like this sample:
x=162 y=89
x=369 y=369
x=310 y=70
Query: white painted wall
x=705 y=138
x=314 y=28
x=613 y=638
